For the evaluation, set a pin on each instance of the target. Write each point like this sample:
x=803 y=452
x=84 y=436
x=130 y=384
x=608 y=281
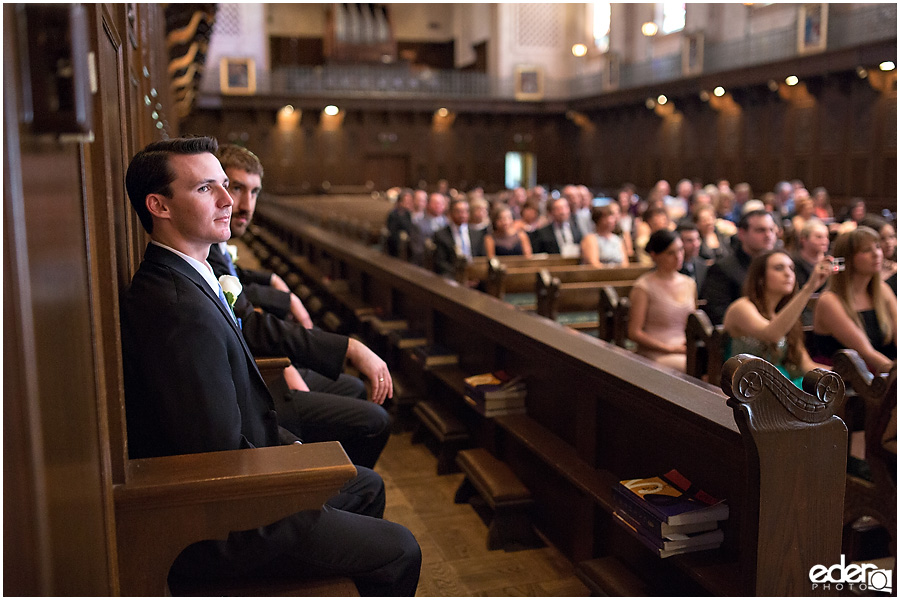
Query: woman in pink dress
x=661 y=301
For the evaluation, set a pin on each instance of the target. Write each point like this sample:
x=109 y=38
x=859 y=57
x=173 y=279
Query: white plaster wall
x=552 y=55
x=250 y=42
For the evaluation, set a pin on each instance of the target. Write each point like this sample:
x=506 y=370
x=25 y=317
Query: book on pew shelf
x=653 y=524
x=404 y=338
x=495 y=385
x=495 y=411
x=672 y=499
x=432 y=355
x=665 y=548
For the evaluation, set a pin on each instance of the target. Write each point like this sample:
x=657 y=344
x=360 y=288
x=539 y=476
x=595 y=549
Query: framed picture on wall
x=692 y=54
x=611 y=71
x=237 y=76
x=529 y=83
x=812 y=28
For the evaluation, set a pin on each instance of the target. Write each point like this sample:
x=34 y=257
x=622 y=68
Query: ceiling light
x=661 y=99
x=792 y=80
x=719 y=91
x=332 y=110
x=649 y=28
x=887 y=66
x=579 y=50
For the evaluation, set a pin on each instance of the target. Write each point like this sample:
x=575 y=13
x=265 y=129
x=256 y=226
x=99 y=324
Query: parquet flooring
x=453 y=538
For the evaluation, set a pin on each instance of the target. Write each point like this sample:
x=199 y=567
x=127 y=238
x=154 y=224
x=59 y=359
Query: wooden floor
x=453 y=538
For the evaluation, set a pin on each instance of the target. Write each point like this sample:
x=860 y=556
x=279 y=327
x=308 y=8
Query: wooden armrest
x=171 y=502
x=272 y=368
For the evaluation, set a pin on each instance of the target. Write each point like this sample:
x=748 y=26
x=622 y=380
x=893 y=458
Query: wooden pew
x=597 y=413
x=578 y=289
x=876 y=497
x=705 y=347
x=515 y=274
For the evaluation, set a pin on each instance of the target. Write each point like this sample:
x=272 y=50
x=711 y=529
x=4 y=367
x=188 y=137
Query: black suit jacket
x=398 y=220
x=191 y=383
x=445 y=249
x=544 y=239
x=256 y=285
x=724 y=283
x=695 y=268
x=267 y=335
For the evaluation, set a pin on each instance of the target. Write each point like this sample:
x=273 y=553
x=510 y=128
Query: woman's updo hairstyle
x=659 y=241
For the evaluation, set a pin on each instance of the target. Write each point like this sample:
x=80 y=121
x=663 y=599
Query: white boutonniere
x=231 y=287
x=232 y=250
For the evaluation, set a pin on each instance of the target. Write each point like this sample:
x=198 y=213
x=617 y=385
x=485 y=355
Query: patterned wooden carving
x=793 y=442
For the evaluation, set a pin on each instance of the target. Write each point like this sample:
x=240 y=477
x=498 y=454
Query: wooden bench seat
x=449 y=432
x=607 y=576
x=509 y=499
x=570 y=290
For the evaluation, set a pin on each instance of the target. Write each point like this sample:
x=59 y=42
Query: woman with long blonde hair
x=858 y=310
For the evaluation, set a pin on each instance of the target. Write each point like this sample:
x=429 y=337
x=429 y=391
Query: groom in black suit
x=191 y=385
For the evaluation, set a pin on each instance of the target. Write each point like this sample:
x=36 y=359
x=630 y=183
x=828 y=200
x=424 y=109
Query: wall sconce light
x=442 y=120
x=649 y=28
x=719 y=92
x=288 y=118
x=792 y=80
x=650 y=103
x=331 y=110
x=887 y=66
x=442 y=112
x=661 y=99
x=704 y=96
x=579 y=50
x=862 y=72
x=773 y=85
x=332 y=118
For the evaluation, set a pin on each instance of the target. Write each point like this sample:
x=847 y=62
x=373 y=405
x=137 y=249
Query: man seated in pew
x=813 y=244
x=531 y=219
x=457 y=236
x=433 y=218
x=603 y=248
x=765 y=321
x=562 y=235
x=693 y=265
x=315 y=407
x=399 y=220
x=191 y=386
x=653 y=219
x=725 y=278
x=504 y=239
x=858 y=310
x=661 y=301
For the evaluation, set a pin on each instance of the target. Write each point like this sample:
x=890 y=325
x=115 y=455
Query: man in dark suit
x=457 y=236
x=315 y=407
x=399 y=220
x=191 y=385
x=693 y=266
x=562 y=235
x=725 y=278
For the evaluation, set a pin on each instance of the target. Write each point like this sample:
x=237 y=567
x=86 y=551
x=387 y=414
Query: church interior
x=348 y=107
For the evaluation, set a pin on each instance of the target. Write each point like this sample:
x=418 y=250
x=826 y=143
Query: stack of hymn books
x=669 y=515
x=494 y=394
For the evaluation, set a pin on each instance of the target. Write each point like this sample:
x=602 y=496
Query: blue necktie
x=231 y=270
x=225 y=303
x=464 y=244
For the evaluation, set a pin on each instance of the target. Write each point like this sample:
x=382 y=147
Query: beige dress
x=668 y=307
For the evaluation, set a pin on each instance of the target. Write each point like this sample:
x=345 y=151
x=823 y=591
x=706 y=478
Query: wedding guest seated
x=479 y=217
x=858 y=310
x=603 y=248
x=506 y=240
x=654 y=219
x=888 y=242
x=765 y=321
x=661 y=301
x=562 y=235
x=694 y=266
x=457 y=236
x=822 y=205
x=713 y=245
x=531 y=219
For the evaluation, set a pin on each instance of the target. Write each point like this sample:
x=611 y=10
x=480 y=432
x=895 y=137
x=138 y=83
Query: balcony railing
x=877 y=22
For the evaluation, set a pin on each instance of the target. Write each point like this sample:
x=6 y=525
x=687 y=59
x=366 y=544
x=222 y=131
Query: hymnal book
x=654 y=525
x=672 y=499
x=495 y=386
x=386 y=323
x=404 y=338
x=709 y=540
x=434 y=354
x=496 y=411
